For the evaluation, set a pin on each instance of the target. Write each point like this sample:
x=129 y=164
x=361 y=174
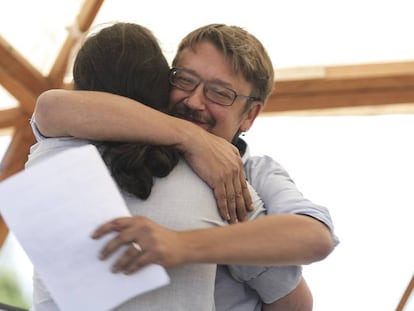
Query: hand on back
x=219 y=164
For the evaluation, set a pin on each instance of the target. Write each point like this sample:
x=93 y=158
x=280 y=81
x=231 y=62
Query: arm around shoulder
x=271 y=240
x=104 y=116
x=108 y=117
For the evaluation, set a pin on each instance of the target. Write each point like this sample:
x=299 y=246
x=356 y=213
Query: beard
x=182 y=111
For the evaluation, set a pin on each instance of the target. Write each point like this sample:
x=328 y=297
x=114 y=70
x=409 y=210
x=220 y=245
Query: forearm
x=105 y=116
x=109 y=117
x=270 y=240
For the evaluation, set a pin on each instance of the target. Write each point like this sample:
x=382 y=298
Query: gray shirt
x=191 y=286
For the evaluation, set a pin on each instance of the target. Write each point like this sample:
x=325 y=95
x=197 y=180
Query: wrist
x=187 y=134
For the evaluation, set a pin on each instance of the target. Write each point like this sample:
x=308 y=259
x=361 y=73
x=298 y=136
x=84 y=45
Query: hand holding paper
x=65 y=199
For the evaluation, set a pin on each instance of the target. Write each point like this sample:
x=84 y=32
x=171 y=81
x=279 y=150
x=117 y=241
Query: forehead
x=209 y=63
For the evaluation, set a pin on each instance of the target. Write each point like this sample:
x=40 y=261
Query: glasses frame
x=174 y=70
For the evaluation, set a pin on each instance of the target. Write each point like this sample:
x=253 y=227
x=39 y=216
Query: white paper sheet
x=52 y=208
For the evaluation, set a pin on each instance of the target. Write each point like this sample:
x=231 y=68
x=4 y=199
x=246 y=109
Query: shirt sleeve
x=48 y=147
x=35 y=129
x=270 y=283
x=280 y=194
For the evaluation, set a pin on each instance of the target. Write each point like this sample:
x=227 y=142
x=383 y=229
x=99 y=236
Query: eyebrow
x=214 y=81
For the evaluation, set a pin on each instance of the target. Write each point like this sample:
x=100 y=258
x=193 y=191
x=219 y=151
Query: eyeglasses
x=187 y=81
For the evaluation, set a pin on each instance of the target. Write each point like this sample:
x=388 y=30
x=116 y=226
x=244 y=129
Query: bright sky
x=360 y=167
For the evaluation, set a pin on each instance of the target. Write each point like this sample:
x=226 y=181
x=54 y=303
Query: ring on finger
x=137 y=247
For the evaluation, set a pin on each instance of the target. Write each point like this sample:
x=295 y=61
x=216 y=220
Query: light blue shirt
x=244 y=288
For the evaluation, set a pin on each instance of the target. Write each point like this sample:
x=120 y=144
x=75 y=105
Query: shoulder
x=48 y=147
x=258 y=164
x=262 y=166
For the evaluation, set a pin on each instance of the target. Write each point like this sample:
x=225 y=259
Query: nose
x=196 y=98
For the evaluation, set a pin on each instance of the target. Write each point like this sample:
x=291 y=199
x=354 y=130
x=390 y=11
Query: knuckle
x=231 y=198
x=239 y=196
x=122 y=238
x=235 y=169
x=220 y=197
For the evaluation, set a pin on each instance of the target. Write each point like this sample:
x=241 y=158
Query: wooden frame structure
x=408 y=294
x=25 y=83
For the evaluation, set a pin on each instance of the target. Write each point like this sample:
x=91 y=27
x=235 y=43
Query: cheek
x=228 y=116
x=173 y=98
x=219 y=113
x=227 y=122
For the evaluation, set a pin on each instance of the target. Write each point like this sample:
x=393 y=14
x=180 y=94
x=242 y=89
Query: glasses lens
x=184 y=80
x=188 y=81
x=220 y=94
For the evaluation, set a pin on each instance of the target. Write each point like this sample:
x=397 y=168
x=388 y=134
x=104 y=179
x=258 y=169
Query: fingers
x=231 y=202
x=240 y=204
x=245 y=193
x=115 y=225
x=126 y=234
x=219 y=164
x=226 y=201
x=221 y=200
x=242 y=199
x=114 y=244
x=233 y=196
x=136 y=265
x=145 y=242
x=128 y=261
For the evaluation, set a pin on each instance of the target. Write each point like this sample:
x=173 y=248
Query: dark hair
x=126 y=59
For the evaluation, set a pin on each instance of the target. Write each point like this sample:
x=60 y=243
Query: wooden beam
x=408 y=294
x=12 y=117
x=19 y=77
x=82 y=23
x=27 y=100
x=17 y=152
x=14 y=161
x=25 y=83
x=18 y=90
x=346 y=86
x=280 y=102
x=3 y=231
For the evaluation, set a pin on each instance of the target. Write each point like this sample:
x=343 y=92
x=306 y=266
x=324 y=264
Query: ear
x=254 y=110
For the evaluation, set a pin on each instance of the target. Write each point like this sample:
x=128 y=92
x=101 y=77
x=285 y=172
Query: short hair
x=245 y=52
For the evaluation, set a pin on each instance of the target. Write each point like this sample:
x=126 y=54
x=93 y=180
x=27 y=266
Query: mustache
x=185 y=112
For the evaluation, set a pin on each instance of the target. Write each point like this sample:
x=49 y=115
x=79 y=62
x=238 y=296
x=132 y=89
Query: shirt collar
x=243 y=149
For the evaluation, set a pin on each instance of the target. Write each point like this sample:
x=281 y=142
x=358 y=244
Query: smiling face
x=209 y=64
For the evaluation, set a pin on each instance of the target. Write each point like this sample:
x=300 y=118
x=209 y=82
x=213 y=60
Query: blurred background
x=356 y=159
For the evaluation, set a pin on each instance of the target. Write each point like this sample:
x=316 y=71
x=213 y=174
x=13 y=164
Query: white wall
x=362 y=169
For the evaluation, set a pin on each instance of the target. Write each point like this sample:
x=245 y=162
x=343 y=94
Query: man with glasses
x=221 y=78
x=188 y=81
